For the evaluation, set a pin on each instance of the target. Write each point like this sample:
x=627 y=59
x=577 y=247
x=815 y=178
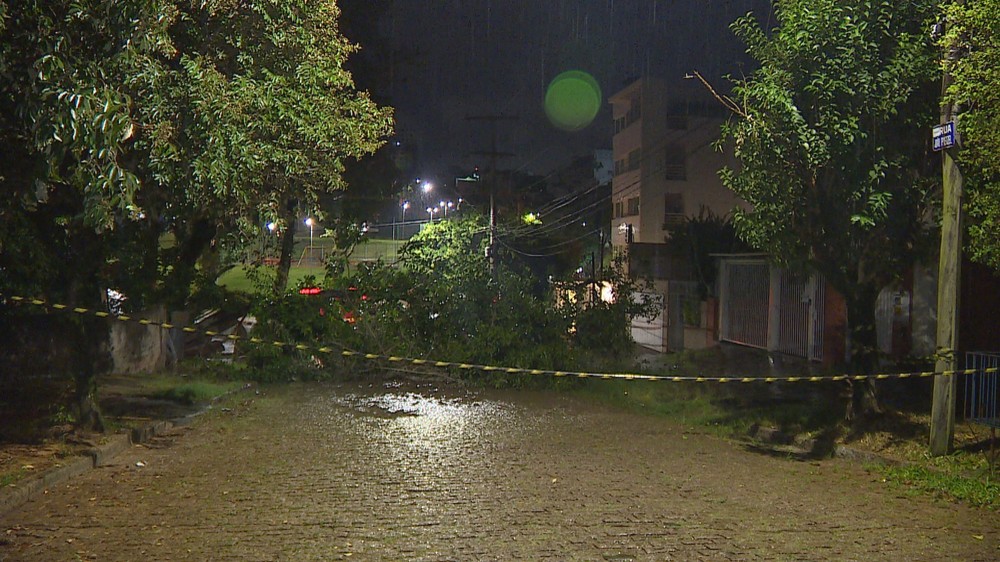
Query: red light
x=310 y=291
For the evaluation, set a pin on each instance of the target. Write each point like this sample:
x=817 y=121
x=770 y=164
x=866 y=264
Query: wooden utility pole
x=942 y=432
x=493 y=154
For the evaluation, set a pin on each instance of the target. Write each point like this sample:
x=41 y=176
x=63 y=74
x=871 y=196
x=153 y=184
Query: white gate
x=769 y=308
x=648 y=332
x=744 y=298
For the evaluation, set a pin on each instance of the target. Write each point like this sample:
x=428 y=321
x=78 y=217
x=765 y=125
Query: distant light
x=309 y=221
x=406 y=205
x=427 y=187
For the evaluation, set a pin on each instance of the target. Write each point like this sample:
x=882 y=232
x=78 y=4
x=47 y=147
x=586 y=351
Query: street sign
x=944 y=136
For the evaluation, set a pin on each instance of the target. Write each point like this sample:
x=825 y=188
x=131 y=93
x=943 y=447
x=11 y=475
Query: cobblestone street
x=348 y=472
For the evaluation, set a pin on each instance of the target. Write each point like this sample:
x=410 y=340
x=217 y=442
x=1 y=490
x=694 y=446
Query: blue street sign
x=944 y=136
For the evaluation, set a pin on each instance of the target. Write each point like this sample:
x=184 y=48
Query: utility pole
x=942 y=428
x=493 y=154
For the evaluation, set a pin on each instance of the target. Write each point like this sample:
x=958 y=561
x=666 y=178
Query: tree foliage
x=831 y=138
x=973 y=35
x=444 y=301
x=125 y=121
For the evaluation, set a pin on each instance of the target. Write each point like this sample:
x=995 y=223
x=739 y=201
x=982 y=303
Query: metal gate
x=769 y=308
x=982 y=389
x=744 y=300
x=800 y=320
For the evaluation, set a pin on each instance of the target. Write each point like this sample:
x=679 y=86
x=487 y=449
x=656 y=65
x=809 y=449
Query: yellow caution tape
x=493 y=368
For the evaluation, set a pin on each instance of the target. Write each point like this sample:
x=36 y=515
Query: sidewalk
x=126 y=406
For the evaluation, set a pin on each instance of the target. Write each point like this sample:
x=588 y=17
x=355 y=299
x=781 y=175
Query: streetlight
x=309 y=221
x=430 y=211
x=427 y=187
x=402 y=217
x=268 y=228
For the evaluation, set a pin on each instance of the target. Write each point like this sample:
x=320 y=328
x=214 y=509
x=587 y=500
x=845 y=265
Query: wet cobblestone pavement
x=348 y=472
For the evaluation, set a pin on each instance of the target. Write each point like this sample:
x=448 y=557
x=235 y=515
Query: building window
x=620 y=124
x=633 y=207
x=673 y=210
x=675 y=163
x=634 y=159
x=618 y=210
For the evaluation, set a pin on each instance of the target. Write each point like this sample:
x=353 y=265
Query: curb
x=13 y=496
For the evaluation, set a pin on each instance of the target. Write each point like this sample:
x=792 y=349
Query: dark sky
x=496 y=57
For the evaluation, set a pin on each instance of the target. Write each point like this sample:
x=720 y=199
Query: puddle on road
x=392 y=404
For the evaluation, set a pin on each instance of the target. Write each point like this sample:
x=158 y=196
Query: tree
x=831 y=137
x=122 y=121
x=973 y=31
x=68 y=127
x=268 y=116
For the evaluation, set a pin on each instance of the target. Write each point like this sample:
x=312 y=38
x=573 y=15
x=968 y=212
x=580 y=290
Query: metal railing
x=982 y=389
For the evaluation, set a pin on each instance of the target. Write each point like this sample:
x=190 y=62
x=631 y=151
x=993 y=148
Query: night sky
x=496 y=57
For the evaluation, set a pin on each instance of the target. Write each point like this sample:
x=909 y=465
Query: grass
x=944 y=478
x=236 y=278
x=12 y=477
x=723 y=409
x=195 y=392
x=731 y=408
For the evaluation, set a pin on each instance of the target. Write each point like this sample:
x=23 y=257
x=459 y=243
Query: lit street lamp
x=430 y=211
x=269 y=228
x=402 y=217
x=309 y=221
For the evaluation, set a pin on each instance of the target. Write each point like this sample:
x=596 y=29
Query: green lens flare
x=572 y=100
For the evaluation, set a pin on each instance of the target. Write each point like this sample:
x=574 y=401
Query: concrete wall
x=137 y=348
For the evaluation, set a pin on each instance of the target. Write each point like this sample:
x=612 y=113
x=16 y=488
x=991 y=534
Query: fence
x=982 y=389
x=769 y=308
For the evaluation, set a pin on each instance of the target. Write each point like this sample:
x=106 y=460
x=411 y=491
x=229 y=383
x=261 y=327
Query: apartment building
x=666 y=168
x=666 y=163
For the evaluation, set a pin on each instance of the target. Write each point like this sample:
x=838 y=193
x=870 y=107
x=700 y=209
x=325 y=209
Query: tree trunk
x=864 y=354
x=192 y=244
x=85 y=405
x=287 y=247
